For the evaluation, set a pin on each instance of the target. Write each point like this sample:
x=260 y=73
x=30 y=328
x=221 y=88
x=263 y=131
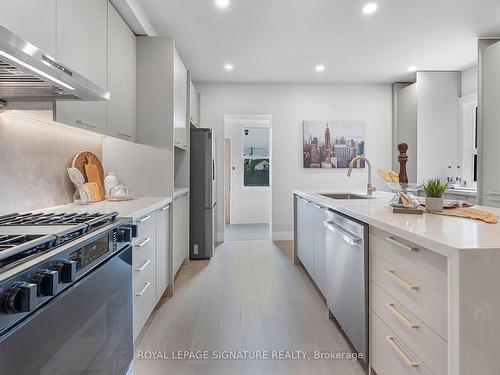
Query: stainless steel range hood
x=27 y=74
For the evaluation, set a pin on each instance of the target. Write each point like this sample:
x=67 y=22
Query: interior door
x=227 y=180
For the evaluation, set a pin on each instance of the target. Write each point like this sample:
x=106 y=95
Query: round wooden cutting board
x=80 y=160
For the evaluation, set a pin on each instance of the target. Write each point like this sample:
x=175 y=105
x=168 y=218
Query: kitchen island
x=433 y=304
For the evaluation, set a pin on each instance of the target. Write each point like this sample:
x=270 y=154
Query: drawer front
x=422 y=340
x=143 y=249
x=428 y=265
x=145 y=226
x=389 y=354
x=417 y=297
x=145 y=267
x=144 y=303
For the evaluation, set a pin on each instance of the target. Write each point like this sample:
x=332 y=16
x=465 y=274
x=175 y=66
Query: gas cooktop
x=24 y=236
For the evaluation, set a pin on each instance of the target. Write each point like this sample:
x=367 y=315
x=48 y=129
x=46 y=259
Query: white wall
x=407 y=128
x=469 y=81
x=248 y=205
x=34 y=155
x=290 y=104
x=437 y=123
x=140 y=167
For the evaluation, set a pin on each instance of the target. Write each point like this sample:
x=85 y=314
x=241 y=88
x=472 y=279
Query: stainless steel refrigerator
x=203 y=193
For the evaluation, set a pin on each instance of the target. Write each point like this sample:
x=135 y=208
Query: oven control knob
x=20 y=298
x=67 y=271
x=47 y=282
x=124 y=235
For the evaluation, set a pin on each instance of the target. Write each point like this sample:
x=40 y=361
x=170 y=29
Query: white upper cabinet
x=82 y=45
x=194 y=105
x=121 y=78
x=180 y=102
x=32 y=20
x=489 y=96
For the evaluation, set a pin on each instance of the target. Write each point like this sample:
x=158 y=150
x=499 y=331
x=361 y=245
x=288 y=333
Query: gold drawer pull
x=399 y=244
x=399 y=279
x=403 y=318
x=400 y=352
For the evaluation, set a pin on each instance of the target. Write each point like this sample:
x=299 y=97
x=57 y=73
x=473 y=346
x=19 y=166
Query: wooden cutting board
x=94 y=176
x=469 y=213
x=81 y=159
x=93 y=191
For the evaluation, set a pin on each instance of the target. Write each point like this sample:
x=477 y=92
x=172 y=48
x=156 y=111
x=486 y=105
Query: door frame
x=254 y=120
x=227 y=175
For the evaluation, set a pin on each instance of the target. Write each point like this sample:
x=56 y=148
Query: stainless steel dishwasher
x=347 y=278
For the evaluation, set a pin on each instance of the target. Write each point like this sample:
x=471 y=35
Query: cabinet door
x=320 y=249
x=186 y=225
x=162 y=248
x=121 y=78
x=178 y=227
x=31 y=20
x=305 y=234
x=193 y=105
x=82 y=45
x=180 y=102
x=489 y=178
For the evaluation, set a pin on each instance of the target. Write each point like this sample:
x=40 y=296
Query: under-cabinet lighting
x=33 y=69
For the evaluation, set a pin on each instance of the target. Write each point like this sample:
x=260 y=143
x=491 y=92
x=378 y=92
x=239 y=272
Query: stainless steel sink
x=344 y=196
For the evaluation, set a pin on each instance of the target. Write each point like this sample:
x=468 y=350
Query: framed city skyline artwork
x=333 y=144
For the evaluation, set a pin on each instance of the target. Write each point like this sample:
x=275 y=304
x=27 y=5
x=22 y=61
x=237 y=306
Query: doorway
x=247 y=177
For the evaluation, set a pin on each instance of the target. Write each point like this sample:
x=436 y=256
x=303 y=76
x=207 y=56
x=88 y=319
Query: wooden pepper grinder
x=403 y=159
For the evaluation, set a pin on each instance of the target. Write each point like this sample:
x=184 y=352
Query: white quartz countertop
x=464 y=192
x=180 y=191
x=443 y=234
x=134 y=208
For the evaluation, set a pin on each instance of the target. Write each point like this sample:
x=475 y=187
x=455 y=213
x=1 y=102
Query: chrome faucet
x=370 y=189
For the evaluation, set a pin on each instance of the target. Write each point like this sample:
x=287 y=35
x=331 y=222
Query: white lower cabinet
x=162 y=247
x=408 y=302
x=390 y=355
x=181 y=230
x=319 y=251
x=311 y=241
x=305 y=234
x=149 y=264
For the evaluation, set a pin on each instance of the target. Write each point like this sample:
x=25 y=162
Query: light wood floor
x=250 y=296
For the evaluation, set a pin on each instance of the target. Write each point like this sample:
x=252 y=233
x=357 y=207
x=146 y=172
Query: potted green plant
x=434 y=190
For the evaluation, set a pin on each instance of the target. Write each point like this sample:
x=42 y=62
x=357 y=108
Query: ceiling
x=283 y=40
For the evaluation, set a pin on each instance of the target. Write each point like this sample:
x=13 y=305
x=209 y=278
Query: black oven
x=86 y=327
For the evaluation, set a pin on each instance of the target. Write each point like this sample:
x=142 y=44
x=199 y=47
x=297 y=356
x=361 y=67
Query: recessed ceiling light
x=222 y=3
x=370 y=8
x=412 y=68
x=228 y=67
x=319 y=68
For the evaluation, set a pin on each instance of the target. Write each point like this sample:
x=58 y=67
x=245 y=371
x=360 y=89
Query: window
x=256 y=162
x=468 y=124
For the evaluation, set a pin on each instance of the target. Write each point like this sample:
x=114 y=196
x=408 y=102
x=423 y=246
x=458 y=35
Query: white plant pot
x=434 y=204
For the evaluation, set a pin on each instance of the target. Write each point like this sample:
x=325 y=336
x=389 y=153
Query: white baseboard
x=283 y=236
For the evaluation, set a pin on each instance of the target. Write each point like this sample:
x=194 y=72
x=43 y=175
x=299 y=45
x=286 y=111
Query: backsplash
x=34 y=155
